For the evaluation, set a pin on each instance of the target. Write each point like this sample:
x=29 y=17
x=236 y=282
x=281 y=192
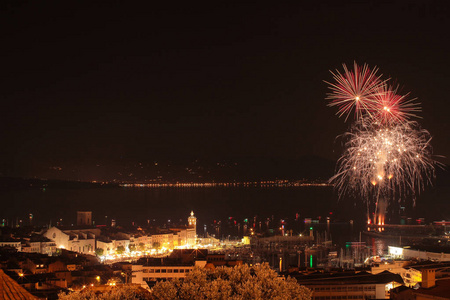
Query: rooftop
x=148 y=262
x=349 y=278
x=9 y=289
x=441 y=289
x=429 y=265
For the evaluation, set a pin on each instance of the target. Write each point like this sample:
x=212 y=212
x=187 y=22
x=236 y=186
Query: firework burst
x=395 y=159
x=386 y=156
x=391 y=108
x=354 y=91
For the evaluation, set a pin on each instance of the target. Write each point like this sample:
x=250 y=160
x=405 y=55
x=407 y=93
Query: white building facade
x=78 y=240
x=143 y=273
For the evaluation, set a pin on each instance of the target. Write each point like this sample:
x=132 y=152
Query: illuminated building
x=192 y=221
x=86 y=240
x=11 y=243
x=78 y=240
x=141 y=242
x=106 y=245
x=185 y=236
x=181 y=236
x=360 y=285
x=435 y=289
x=424 y=273
x=163 y=239
x=408 y=253
x=191 y=232
x=121 y=242
x=162 y=269
x=39 y=244
x=177 y=265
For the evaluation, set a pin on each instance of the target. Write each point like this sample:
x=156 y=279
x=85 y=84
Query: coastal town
x=74 y=258
x=224 y=150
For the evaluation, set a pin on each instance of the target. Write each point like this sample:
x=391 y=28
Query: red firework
x=392 y=108
x=354 y=91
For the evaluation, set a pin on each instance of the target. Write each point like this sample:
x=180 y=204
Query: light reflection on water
x=378 y=246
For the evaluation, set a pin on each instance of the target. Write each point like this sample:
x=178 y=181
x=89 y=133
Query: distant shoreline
x=12 y=183
x=224 y=184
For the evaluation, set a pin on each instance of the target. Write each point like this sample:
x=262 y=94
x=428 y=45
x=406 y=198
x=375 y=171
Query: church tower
x=84 y=218
x=192 y=220
x=191 y=232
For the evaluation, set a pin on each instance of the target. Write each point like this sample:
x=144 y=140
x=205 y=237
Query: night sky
x=88 y=84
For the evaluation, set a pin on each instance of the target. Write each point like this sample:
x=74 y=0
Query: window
x=175 y=270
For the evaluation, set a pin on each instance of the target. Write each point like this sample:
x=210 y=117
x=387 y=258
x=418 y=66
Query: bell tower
x=192 y=220
x=191 y=232
x=84 y=218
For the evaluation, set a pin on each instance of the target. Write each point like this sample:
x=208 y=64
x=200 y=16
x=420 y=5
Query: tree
x=120 y=292
x=131 y=247
x=120 y=250
x=99 y=251
x=141 y=247
x=156 y=245
x=240 y=282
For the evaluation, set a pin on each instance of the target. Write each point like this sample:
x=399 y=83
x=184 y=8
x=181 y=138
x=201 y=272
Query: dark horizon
x=310 y=168
x=88 y=86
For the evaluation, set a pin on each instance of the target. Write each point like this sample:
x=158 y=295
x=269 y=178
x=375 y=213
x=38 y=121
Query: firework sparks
x=390 y=158
x=386 y=156
x=391 y=108
x=354 y=91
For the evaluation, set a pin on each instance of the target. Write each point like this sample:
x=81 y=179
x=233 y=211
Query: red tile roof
x=11 y=290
